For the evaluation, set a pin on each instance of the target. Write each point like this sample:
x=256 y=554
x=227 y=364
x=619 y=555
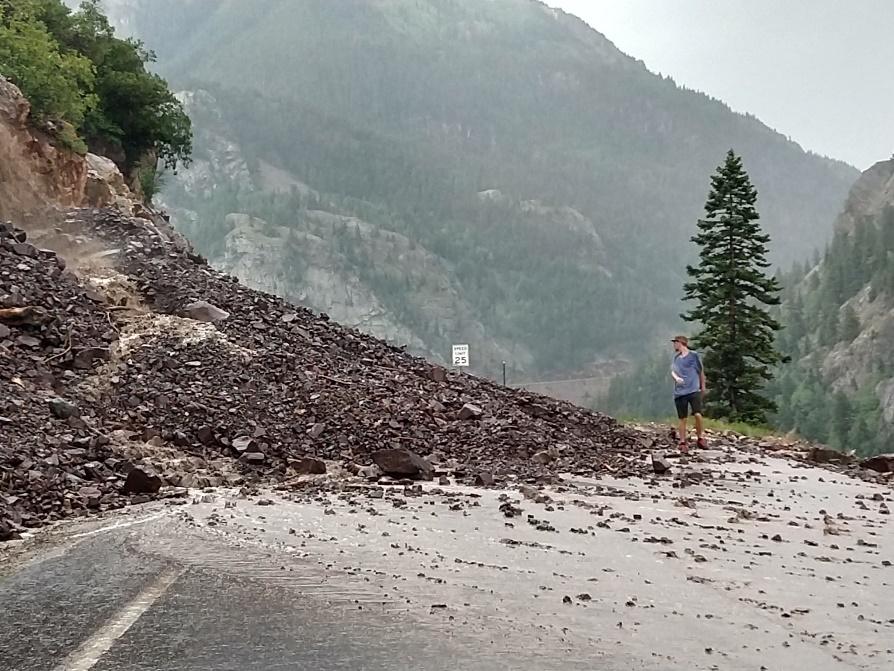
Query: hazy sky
x=819 y=71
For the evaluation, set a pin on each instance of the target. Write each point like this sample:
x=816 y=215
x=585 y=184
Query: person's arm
x=677 y=378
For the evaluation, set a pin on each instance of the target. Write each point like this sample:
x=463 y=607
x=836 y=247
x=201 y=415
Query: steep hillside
x=839 y=318
x=552 y=181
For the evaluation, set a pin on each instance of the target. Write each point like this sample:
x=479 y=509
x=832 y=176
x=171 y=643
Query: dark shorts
x=683 y=404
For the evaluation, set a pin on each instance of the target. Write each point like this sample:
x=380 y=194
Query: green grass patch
x=750 y=430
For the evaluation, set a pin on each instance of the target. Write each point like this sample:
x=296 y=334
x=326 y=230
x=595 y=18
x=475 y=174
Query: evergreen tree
x=731 y=290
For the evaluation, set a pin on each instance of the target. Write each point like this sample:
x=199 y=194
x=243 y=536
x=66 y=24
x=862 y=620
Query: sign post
x=460 y=356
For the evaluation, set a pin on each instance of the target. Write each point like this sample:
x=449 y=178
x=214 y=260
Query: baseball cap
x=681 y=339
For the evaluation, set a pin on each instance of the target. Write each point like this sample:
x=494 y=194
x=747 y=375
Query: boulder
x=141 y=481
x=202 y=311
x=485 y=479
x=660 y=464
x=437 y=374
x=529 y=492
x=403 y=463
x=105 y=185
x=470 y=412
x=91 y=496
x=84 y=358
x=242 y=444
x=62 y=409
x=309 y=466
x=826 y=455
x=372 y=472
x=882 y=463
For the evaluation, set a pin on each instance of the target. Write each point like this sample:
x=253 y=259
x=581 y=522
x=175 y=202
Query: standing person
x=689 y=390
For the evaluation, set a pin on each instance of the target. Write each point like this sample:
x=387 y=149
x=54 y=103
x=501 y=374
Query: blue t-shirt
x=689 y=368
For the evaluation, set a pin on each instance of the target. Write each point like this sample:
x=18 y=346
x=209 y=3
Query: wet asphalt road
x=221 y=607
x=765 y=566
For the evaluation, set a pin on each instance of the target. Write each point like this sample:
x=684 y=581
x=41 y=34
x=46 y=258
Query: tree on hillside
x=81 y=77
x=732 y=290
x=57 y=82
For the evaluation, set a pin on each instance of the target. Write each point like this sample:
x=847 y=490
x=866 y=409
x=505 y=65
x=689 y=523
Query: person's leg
x=696 y=402
x=699 y=429
x=682 y=414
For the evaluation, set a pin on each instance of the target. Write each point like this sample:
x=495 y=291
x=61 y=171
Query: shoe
x=683 y=447
x=702 y=444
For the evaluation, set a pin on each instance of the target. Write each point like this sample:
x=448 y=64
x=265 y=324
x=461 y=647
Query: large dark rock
x=62 y=409
x=883 y=463
x=141 y=481
x=826 y=455
x=660 y=464
x=403 y=463
x=309 y=466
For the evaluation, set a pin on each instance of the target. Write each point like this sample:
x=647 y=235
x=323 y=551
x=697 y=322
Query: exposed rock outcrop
x=36 y=175
x=40 y=178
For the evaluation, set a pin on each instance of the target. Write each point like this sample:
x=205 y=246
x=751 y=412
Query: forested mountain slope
x=545 y=183
x=839 y=328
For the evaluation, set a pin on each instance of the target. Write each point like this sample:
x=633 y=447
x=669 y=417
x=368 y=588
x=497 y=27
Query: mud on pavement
x=732 y=562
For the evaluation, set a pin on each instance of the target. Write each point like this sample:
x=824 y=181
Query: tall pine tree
x=731 y=290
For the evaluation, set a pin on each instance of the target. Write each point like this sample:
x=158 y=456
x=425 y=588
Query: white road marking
x=91 y=650
x=119 y=525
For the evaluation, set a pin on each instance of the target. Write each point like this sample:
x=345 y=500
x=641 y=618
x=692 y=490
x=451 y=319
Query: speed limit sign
x=461 y=356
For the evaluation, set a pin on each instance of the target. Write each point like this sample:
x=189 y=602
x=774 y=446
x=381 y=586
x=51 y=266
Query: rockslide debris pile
x=140 y=356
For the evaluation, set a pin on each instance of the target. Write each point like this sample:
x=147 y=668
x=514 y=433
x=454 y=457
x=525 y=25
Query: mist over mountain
x=495 y=173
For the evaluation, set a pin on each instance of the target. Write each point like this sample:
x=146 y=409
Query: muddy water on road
x=762 y=565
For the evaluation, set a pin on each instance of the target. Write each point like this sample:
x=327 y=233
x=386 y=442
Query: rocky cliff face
x=39 y=178
x=35 y=174
x=361 y=274
x=872 y=193
x=850 y=366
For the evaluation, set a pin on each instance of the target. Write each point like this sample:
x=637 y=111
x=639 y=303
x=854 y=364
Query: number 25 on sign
x=461 y=356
